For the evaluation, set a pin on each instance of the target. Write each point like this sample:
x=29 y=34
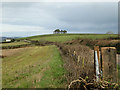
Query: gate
x=105 y=64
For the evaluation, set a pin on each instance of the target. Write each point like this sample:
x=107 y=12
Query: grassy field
x=33 y=67
x=67 y=37
x=38 y=66
x=13 y=43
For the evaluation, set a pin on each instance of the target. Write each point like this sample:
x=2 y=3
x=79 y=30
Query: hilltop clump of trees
x=58 y=31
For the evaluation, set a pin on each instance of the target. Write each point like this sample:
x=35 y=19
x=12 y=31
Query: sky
x=20 y=19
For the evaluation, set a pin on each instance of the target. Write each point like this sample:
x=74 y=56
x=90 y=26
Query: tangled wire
x=82 y=84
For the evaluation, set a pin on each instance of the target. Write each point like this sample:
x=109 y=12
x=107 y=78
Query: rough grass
x=34 y=67
x=13 y=43
x=67 y=37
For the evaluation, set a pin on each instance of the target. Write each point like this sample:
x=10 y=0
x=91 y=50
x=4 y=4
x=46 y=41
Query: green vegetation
x=34 y=67
x=13 y=43
x=67 y=37
x=55 y=70
x=39 y=66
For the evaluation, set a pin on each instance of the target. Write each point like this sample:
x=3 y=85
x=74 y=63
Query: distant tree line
x=58 y=31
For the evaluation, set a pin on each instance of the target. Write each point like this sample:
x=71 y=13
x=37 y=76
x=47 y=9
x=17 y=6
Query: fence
x=79 y=61
x=82 y=61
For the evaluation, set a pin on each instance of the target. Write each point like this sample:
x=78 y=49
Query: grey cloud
x=77 y=17
x=16 y=4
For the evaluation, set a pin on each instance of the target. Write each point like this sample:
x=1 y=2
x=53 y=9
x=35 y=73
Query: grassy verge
x=34 y=67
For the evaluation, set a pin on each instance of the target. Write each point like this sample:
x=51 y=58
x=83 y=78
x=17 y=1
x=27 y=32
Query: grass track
x=34 y=67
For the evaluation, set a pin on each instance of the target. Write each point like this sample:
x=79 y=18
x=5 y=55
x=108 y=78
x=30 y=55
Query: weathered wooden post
x=97 y=62
x=109 y=64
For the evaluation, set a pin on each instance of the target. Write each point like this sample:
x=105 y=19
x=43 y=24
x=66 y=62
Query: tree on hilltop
x=64 y=31
x=58 y=31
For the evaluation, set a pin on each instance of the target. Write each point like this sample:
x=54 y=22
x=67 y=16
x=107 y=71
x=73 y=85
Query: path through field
x=33 y=67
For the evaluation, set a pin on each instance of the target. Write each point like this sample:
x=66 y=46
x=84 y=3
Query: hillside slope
x=68 y=37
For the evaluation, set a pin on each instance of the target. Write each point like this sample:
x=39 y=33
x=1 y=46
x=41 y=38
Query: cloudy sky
x=37 y=18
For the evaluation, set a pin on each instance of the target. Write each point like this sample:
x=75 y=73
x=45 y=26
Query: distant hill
x=3 y=38
x=68 y=37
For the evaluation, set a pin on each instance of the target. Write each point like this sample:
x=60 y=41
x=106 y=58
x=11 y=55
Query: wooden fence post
x=109 y=64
